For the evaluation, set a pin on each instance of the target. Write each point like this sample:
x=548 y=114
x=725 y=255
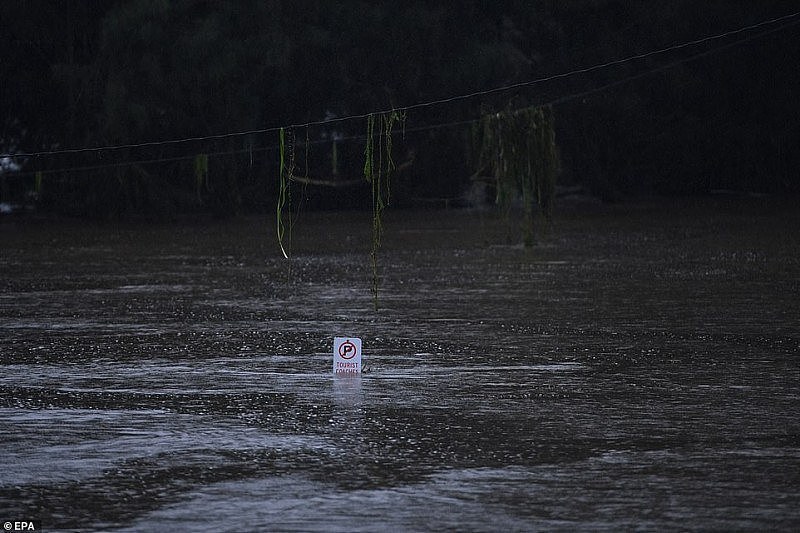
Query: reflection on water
x=636 y=370
x=348 y=395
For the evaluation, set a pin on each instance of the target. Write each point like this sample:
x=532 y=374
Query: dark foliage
x=718 y=115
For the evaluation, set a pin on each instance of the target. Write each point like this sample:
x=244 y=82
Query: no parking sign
x=346 y=355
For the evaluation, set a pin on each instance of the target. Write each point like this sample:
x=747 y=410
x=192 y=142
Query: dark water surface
x=638 y=369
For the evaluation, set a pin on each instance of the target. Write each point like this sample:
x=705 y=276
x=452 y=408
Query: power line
x=601 y=66
x=428 y=127
x=451 y=99
x=667 y=66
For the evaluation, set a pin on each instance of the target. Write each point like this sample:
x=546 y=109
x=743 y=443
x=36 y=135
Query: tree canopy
x=717 y=114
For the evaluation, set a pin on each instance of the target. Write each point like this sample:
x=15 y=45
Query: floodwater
x=638 y=369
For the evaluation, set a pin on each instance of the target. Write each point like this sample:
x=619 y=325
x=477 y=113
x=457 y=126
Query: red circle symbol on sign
x=347 y=350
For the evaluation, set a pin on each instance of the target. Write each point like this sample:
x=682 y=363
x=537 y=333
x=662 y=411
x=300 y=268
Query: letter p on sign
x=346 y=355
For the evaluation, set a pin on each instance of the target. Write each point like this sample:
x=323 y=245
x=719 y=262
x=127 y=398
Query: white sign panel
x=346 y=355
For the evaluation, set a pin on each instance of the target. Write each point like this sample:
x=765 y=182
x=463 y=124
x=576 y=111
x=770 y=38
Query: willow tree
x=379 y=167
x=517 y=150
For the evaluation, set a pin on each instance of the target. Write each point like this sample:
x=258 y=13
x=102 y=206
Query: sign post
x=346 y=355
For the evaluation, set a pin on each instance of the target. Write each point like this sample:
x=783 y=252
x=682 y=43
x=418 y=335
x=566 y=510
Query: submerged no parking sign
x=346 y=355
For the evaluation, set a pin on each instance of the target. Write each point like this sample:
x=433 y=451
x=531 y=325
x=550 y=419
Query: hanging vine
x=378 y=168
x=304 y=186
x=285 y=176
x=518 y=150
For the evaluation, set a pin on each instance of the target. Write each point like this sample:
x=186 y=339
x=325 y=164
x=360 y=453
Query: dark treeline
x=716 y=115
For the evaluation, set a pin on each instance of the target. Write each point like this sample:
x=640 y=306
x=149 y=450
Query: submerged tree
x=378 y=168
x=518 y=152
x=285 y=176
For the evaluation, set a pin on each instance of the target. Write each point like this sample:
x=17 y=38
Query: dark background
x=722 y=114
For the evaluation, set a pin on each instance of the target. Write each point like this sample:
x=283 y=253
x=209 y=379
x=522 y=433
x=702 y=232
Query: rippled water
x=638 y=369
